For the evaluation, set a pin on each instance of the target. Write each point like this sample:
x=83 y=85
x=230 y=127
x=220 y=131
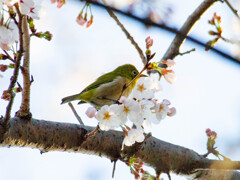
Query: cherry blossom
x=8 y=36
x=169 y=62
x=169 y=75
x=132 y=110
x=162 y=110
x=133 y=135
x=30 y=8
x=142 y=90
x=110 y=117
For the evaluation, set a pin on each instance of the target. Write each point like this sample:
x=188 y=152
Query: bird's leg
x=123 y=89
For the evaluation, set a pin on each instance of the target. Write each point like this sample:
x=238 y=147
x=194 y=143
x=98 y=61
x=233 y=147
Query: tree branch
x=55 y=136
x=25 y=105
x=148 y=22
x=173 y=49
x=14 y=77
x=235 y=12
x=134 y=43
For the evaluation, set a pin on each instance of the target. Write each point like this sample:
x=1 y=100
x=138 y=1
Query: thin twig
x=230 y=40
x=114 y=168
x=134 y=43
x=91 y=133
x=32 y=80
x=174 y=30
x=187 y=52
x=8 y=56
x=16 y=69
x=75 y=113
x=11 y=59
x=232 y=9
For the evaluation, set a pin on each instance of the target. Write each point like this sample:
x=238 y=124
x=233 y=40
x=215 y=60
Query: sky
x=206 y=93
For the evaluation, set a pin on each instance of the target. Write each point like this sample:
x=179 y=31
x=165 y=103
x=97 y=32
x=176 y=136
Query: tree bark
x=162 y=156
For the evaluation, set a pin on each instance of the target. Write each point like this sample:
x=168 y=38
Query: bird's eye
x=134 y=73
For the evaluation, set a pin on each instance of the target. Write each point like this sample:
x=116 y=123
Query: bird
x=108 y=88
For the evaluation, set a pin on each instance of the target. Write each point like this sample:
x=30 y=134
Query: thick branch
x=173 y=49
x=55 y=136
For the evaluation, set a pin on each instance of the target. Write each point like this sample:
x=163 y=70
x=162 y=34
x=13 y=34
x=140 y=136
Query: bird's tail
x=70 y=98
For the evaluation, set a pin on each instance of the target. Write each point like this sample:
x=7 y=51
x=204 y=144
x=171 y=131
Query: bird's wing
x=106 y=78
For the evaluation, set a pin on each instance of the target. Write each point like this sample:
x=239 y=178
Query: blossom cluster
x=140 y=109
x=83 y=19
x=137 y=170
x=217 y=33
x=8 y=29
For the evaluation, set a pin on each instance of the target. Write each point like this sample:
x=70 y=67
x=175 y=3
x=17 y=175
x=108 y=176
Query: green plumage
x=107 y=88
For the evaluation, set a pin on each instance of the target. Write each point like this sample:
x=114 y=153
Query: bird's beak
x=143 y=75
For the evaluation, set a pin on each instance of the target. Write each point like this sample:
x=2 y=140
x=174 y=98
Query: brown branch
x=76 y=114
x=173 y=49
x=16 y=70
x=174 y=30
x=134 y=43
x=25 y=105
x=55 y=136
x=92 y=133
x=232 y=9
x=8 y=56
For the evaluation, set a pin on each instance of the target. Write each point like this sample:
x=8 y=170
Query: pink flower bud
x=3 y=67
x=80 y=20
x=217 y=17
x=213 y=135
x=91 y=111
x=5 y=95
x=90 y=22
x=172 y=112
x=149 y=42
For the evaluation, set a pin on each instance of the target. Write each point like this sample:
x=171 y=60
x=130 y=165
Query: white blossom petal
x=8 y=36
x=31 y=8
x=110 y=117
x=154 y=82
x=134 y=135
x=170 y=77
x=142 y=89
x=132 y=109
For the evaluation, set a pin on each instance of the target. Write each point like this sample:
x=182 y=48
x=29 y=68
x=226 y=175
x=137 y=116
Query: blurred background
x=206 y=93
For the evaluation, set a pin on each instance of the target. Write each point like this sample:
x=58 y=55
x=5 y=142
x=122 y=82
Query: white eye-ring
x=134 y=73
